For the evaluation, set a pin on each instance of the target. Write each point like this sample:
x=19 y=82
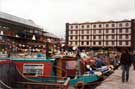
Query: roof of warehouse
x=51 y=35
x=18 y=19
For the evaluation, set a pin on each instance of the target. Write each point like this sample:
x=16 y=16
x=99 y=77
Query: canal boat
x=49 y=70
x=11 y=76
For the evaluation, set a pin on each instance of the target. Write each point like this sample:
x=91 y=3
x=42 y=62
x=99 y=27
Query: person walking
x=133 y=59
x=125 y=62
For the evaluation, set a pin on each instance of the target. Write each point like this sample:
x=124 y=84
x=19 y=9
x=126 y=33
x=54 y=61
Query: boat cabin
x=70 y=65
x=35 y=67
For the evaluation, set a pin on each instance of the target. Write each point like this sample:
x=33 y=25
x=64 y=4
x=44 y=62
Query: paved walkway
x=114 y=81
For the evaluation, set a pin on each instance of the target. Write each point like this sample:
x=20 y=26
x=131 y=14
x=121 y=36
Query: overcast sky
x=53 y=14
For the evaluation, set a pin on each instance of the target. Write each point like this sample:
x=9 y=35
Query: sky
x=53 y=14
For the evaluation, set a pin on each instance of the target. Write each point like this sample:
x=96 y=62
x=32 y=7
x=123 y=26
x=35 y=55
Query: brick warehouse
x=96 y=35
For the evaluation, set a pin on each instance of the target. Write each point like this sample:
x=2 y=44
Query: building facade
x=109 y=34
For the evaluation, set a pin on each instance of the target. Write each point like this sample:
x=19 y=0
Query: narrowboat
x=12 y=78
x=75 y=68
x=52 y=70
x=37 y=68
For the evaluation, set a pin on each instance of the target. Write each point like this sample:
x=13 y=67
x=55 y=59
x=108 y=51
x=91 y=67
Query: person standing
x=125 y=62
x=99 y=62
x=78 y=53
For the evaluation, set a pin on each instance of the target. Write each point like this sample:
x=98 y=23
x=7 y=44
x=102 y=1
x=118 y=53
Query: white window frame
x=31 y=66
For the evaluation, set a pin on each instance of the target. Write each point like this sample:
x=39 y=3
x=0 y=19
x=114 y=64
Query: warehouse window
x=82 y=43
x=76 y=32
x=71 y=37
x=112 y=37
x=107 y=37
x=36 y=31
x=120 y=30
x=127 y=36
x=82 y=32
x=94 y=31
x=87 y=37
x=71 y=26
x=100 y=43
x=94 y=26
x=106 y=43
x=31 y=31
x=107 y=25
x=71 y=32
x=99 y=31
x=99 y=37
x=75 y=43
x=94 y=43
x=82 y=26
x=120 y=43
x=127 y=30
x=87 y=42
x=87 y=26
x=120 y=37
x=106 y=31
x=76 y=26
x=127 y=24
x=113 y=25
x=33 y=69
x=82 y=37
x=100 y=25
x=120 y=24
x=112 y=42
x=88 y=32
x=126 y=43
x=113 y=30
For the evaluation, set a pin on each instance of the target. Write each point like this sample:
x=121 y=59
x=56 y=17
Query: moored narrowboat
x=12 y=78
x=52 y=70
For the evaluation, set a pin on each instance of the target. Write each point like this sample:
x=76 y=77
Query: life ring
x=79 y=85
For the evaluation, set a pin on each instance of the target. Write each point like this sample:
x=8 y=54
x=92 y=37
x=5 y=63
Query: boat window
x=71 y=65
x=33 y=69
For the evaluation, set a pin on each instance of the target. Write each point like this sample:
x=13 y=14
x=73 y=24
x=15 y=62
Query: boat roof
x=32 y=59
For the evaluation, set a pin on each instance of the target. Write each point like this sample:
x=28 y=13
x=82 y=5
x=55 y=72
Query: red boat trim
x=5 y=61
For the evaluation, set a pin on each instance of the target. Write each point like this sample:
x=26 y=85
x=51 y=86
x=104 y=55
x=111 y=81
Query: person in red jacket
x=125 y=62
